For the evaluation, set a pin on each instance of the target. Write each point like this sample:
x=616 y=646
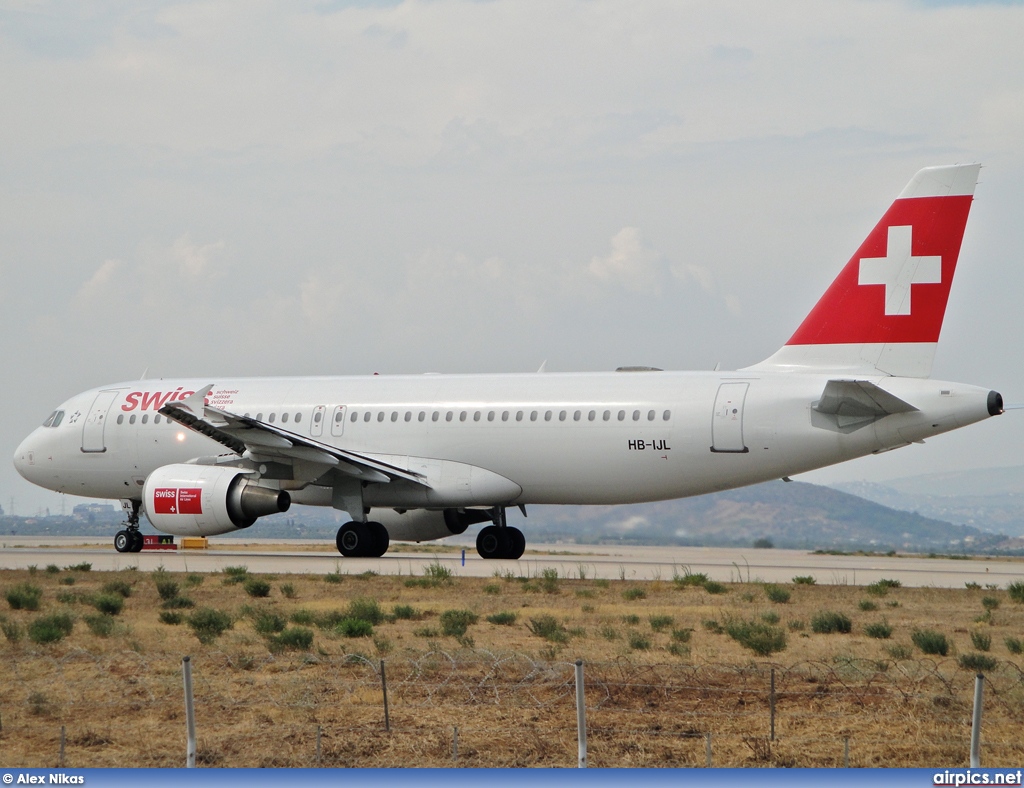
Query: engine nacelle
x=423 y=525
x=205 y=500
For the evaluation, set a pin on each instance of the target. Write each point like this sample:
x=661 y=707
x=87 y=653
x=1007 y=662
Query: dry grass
x=509 y=691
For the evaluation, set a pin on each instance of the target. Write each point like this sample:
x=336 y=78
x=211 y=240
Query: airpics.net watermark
x=50 y=778
x=956 y=777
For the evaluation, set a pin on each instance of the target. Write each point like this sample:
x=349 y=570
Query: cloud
x=632 y=263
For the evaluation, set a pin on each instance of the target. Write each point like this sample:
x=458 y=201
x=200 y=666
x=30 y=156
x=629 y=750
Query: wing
x=260 y=441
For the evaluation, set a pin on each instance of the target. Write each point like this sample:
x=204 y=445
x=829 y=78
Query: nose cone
x=25 y=459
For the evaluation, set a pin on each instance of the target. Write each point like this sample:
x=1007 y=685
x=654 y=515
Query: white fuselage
x=589 y=438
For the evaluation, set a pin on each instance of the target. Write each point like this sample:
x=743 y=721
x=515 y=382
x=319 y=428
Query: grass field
x=277 y=659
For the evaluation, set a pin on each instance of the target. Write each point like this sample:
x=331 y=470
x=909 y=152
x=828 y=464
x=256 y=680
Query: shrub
x=867 y=605
x=178 y=603
x=288 y=590
x=165 y=587
x=689 y=578
x=898 y=651
x=24 y=596
x=638 y=641
x=978 y=662
x=608 y=632
x=426 y=632
x=989 y=602
x=631 y=619
x=51 y=628
x=681 y=635
x=100 y=625
x=503 y=619
x=455 y=622
x=406 y=613
x=298 y=638
x=771 y=617
x=194 y=580
x=714 y=587
x=549 y=580
x=67 y=581
x=763 y=639
x=634 y=593
x=492 y=588
x=208 y=624
x=827 y=622
x=712 y=626
x=658 y=623
x=804 y=580
x=66 y=597
x=678 y=650
x=256 y=587
x=333 y=577
x=1016 y=591
x=267 y=622
x=13 y=631
x=972 y=586
x=111 y=604
x=982 y=641
x=930 y=641
x=52 y=569
x=764 y=543
x=235 y=574
x=304 y=617
x=1013 y=645
x=366 y=609
x=549 y=628
x=354 y=628
x=85 y=566
x=119 y=587
x=172 y=617
x=880 y=630
x=777 y=594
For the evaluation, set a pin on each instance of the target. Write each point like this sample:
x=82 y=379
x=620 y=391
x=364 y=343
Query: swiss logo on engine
x=182 y=500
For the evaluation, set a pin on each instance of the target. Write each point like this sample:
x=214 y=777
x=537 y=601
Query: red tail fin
x=884 y=311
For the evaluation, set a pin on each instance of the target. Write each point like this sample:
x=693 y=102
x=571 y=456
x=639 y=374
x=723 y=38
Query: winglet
x=194 y=403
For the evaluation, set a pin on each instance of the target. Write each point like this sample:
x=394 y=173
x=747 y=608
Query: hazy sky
x=264 y=188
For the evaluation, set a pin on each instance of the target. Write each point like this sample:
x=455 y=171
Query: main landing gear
x=129 y=540
x=362 y=540
x=500 y=540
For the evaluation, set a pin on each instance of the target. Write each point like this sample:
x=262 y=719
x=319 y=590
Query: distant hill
x=792 y=515
x=991 y=499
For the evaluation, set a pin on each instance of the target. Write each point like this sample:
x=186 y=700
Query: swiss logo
x=183 y=500
x=899 y=270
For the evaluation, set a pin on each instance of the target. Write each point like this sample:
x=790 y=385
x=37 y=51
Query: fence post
x=190 y=715
x=63 y=739
x=318 y=729
x=979 y=682
x=707 y=749
x=384 y=689
x=846 y=752
x=771 y=703
x=455 y=743
x=581 y=717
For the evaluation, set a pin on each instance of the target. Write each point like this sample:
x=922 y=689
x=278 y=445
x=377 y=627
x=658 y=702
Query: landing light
x=181 y=436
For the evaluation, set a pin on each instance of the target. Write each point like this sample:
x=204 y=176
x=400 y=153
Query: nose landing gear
x=129 y=540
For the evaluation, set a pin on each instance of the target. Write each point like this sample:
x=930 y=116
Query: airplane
x=423 y=457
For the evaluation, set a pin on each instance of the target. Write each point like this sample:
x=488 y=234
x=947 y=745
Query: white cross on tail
x=898 y=270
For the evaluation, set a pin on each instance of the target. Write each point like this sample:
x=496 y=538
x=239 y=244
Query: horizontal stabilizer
x=854 y=401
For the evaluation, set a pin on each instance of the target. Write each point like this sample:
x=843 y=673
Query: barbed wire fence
x=479 y=708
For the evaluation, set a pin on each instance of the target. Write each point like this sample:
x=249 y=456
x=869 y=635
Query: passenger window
x=423 y=415
x=666 y=415
x=435 y=416
x=353 y=417
x=622 y=415
x=448 y=416
x=338 y=417
x=120 y=418
x=462 y=416
x=156 y=419
x=504 y=415
x=298 y=417
x=607 y=415
x=284 y=418
x=259 y=417
x=650 y=415
x=490 y=415
x=394 y=415
x=636 y=415
x=533 y=415
x=274 y=416
x=408 y=415
x=476 y=416
x=561 y=415
x=145 y=418
x=316 y=417
x=519 y=415
x=131 y=419
x=547 y=415
x=380 y=416
x=367 y=416
x=576 y=416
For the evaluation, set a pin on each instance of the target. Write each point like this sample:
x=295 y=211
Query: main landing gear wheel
x=362 y=540
x=496 y=542
x=123 y=541
x=137 y=541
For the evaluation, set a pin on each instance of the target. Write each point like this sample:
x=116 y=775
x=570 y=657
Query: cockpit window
x=54 y=419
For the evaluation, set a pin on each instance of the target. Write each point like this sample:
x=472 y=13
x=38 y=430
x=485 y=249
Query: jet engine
x=200 y=500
